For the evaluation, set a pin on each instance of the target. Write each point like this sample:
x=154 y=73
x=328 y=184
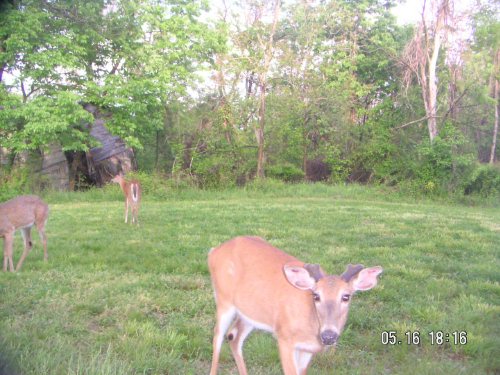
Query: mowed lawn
x=118 y=299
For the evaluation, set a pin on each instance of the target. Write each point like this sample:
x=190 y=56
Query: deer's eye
x=316 y=297
x=346 y=297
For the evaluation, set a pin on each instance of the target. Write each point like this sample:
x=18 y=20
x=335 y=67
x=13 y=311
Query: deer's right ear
x=299 y=277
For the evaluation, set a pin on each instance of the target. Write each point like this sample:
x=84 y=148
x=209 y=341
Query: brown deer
x=22 y=213
x=132 y=192
x=258 y=286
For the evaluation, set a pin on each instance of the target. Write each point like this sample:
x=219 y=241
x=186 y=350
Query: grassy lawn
x=117 y=299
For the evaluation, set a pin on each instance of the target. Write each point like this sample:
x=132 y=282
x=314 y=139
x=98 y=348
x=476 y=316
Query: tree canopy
x=220 y=93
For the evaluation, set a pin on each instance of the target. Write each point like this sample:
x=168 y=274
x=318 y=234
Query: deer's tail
x=135 y=192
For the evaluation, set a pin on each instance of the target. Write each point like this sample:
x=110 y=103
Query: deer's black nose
x=329 y=337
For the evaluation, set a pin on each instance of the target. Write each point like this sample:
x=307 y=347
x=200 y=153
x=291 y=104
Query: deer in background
x=259 y=286
x=132 y=192
x=22 y=213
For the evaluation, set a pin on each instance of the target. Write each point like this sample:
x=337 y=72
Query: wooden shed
x=113 y=156
x=72 y=170
x=55 y=168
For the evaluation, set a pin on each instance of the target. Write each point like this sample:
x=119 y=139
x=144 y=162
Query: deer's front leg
x=7 y=252
x=303 y=360
x=287 y=356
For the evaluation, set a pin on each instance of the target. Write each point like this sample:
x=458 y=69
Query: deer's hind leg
x=236 y=336
x=126 y=209
x=225 y=316
x=26 y=232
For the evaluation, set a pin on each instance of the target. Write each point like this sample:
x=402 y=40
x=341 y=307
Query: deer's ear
x=366 y=278
x=299 y=277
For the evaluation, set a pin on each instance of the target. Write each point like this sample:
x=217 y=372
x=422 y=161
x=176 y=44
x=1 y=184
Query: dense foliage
x=333 y=91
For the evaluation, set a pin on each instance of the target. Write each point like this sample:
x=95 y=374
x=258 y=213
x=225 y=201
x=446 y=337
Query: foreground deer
x=132 y=192
x=22 y=213
x=259 y=286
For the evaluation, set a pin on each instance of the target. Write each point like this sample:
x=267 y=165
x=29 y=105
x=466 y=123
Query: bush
x=17 y=181
x=214 y=171
x=320 y=170
x=150 y=182
x=484 y=181
x=285 y=172
x=430 y=169
x=265 y=185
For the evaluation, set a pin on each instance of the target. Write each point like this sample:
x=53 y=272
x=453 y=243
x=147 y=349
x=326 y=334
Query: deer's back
x=24 y=210
x=248 y=272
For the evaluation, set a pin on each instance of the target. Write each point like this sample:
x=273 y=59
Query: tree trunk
x=455 y=77
x=259 y=131
x=421 y=58
x=305 y=142
x=431 y=106
x=157 y=150
x=495 y=126
x=432 y=94
x=268 y=55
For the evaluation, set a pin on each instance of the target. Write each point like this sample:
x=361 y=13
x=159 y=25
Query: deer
x=22 y=213
x=258 y=286
x=132 y=191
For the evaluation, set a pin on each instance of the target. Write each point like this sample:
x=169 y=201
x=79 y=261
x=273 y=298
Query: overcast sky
x=408 y=12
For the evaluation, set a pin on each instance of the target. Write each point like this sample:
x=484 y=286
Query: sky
x=408 y=12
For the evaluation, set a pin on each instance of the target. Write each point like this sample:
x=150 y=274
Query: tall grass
x=118 y=299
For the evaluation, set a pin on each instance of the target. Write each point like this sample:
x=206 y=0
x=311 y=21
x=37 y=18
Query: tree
x=335 y=68
x=487 y=36
x=254 y=26
x=420 y=57
x=479 y=74
x=496 y=97
x=130 y=58
x=267 y=46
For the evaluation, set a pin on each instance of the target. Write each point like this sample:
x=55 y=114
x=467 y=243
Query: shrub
x=16 y=181
x=285 y=172
x=265 y=185
x=215 y=171
x=484 y=181
x=438 y=168
x=320 y=170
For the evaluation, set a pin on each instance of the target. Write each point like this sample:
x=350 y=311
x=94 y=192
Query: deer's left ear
x=299 y=277
x=366 y=278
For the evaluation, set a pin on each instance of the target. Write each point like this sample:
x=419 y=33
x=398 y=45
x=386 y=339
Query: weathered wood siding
x=55 y=168
x=97 y=166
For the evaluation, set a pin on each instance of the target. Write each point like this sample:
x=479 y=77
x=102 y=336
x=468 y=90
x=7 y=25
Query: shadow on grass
x=6 y=364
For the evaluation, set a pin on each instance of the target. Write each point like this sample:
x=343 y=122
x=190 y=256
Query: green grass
x=117 y=299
